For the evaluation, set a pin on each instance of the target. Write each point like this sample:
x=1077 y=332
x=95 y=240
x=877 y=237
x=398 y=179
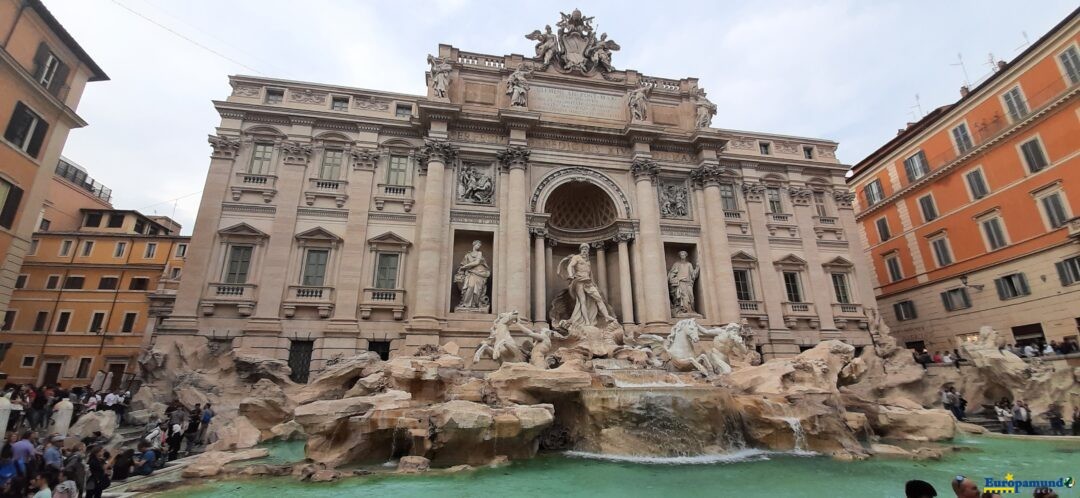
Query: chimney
x=1001 y=65
x=964 y=91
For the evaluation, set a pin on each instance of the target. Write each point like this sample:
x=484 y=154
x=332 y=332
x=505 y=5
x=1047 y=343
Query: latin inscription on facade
x=575 y=102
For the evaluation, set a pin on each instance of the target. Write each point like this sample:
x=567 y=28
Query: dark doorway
x=380 y=347
x=916 y=345
x=52 y=373
x=300 y=360
x=117 y=371
x=1028 y=334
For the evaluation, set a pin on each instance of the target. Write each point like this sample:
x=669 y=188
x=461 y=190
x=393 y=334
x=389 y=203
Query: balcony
x=781 y=218
x=733 y=215
x=845 y=312
x=793 y=312
x=333 y=189
x=826 y=221
x=751 y=308
x=392 y=300
x=240 y=295
x=319 y=297
x=264 y=185
x=394 y=193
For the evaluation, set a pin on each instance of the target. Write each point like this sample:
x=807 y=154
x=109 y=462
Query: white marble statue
x=440 y=76
x=589 y=305
x=681 y=280
x=541 y=345
x=728 y=348
x=705 y=109
x=500 y=345
x=679 y=346
x=546 y=45
x=638 y=100
x=472 y=277
x=517 y=86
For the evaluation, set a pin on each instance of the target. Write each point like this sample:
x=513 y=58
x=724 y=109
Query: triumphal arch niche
x=370 y=219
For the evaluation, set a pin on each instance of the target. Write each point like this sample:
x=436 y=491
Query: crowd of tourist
x=924 y=358
x=1052 y=348
x=964 y=487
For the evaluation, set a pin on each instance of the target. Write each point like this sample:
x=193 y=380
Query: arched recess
x=265 y=131
x=333 y=136
x=559 y=177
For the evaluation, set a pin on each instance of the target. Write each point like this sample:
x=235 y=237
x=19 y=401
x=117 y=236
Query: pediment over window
x=743 y=257
x=790 y=261
x=318 y=236
x=838 y=263
x=243 y=230
x=389 y=241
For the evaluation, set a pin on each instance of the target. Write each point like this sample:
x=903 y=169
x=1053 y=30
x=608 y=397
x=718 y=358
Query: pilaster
x=654 y=274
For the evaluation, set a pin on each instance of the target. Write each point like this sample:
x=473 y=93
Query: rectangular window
x=905 y=310
x=339 y=103
x=139 y=284
x=820 y=204
x=151 y=250
x=97 y=320
x=26 y=130
x=181 y=250
x=10 y=195
x=261 y=155
x=52 y=282
x=34 y=243
x=1054 y=208
x=977 y=184
x=87 y=248
x=942 y=254
x=840 y=285
x=175 y=273
x=108 y=283
x=236 y=272
x=315 y=266
x=955 y=299
x=1069 y=270
x=995 y=233
x=883 y=229
x=84 y=368
x=1033 y=154
x=9 y=320
x=808 y=152
x=744 y=287
x=118 y=252
x=331 y=164
x=28 y=361
x=727 y=197
x=140 y=226
x=20 y=281
x=129 y=322
x=63 y=319
x=873 y=193
x=397 y=171
x=73 y=283
x=274 y=95
x=45 y=72
x=41 y=321
x=962 y=138
x=765 y=148
x=929 y=210
x=792 y=288
x=386 y=271
x=916 y=166
x=1010 y=286
x=44 y=225
x=776 y=206
x=1015 y=103
x=1070 y=60
x=893 y=264
x=403 y=111
x=92 y=220
x=116 y=221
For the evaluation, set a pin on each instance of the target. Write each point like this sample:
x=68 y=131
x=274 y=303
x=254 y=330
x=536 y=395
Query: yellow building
x=90 y=292
x=43 y=72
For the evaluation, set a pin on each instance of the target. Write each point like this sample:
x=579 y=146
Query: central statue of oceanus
x=589 y=307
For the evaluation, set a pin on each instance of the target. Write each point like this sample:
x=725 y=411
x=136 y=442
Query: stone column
x=654 y=274
x=516 y=160
x=820 y=284
x=626 y=294
x=539 y=275
x=708 y=176
x=601 y=267
x=435 y=155
x=348 y=284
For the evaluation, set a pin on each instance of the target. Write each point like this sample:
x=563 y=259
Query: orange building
x=968 y=215
x=91 y=290
x=43 y=72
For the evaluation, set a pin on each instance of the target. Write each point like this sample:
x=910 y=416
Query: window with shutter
x=1054 y=208
x=1011 y=286
x=386 y=271
x=883 y=229
x=1015 y=103
x=315 y=267
x=916 y=166
x=1070 y=61
x=26 y=130
x=929 y=210
x=10 y=196
x=1033 y=154
x=1069 y=270
x=905 y=310
x=236 y=271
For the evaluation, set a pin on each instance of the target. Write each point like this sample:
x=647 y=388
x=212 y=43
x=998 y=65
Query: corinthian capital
x=296 y=152
x=437 y=150
x=224 y=147
x=515 y=156
x=644 y=168
x=707 y=174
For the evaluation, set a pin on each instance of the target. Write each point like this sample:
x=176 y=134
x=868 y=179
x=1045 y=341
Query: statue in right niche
x=472 y=279
x=681 y=280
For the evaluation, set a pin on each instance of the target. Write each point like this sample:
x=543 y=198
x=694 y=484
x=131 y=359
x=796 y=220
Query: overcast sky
x=842 y=70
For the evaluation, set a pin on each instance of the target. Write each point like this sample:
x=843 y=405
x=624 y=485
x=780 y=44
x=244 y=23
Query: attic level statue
x=517 y=86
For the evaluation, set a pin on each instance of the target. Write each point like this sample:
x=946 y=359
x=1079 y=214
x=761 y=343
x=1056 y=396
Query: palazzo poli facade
x=337 y=219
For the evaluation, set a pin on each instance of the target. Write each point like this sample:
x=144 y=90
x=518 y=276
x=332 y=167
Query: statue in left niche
x=681 y=280
x=472 y=279
x=517 y=86
x=440 y=76
x=638 y=100
x=475 y=186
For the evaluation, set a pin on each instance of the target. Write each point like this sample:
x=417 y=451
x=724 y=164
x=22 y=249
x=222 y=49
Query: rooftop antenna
x=1026 y=41
x=990 y=61
x=963 y=68
x=916 y=110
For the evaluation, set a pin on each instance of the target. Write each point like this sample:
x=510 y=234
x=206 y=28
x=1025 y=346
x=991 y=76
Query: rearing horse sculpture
x=679 y=345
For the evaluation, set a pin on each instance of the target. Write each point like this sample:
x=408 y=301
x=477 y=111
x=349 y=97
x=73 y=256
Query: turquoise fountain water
x=747 y=473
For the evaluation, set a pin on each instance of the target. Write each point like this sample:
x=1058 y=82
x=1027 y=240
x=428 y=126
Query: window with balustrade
x=841 y=287
x=728 y=199
x=238 y=264
x=744 y=286
x=821 y=206
x=314 y=273
x=398 y=172
x=330 y=169
x=261 y=154
x=775 y=202
x=386 y=270
x=792 y=286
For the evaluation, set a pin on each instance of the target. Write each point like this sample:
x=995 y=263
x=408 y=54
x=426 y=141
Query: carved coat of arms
x=575 y=48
